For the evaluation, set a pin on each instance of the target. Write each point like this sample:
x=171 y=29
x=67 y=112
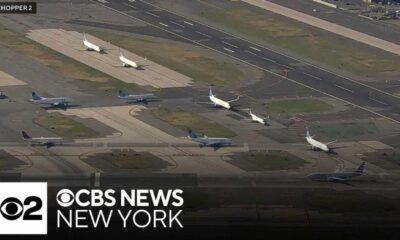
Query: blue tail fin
x=210 y=93
x=35 y=96
x=25 y=135
x=192 y=134
x=360 y=169
x=121 y=93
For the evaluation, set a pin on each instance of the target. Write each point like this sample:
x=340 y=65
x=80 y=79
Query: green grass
x=346 y=130
x=131 y=160
x=313 y=43
x=184 y=120
x=267 y=161
x=194 y=64
x=64 y=127
x=59 y=62
x=298 y=106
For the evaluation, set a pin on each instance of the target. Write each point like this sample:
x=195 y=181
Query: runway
x=322 y=81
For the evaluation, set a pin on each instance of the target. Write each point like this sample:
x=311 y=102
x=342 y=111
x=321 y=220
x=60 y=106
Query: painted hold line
x=177 y=24
x=230 y=44
x=163 y=24
x=188 y=23
x=250 y=52
x=310 y=75
x=203 y=34
x=152 y=14
x=376 y=100
x=343 y=88
x=256 y=49
x=229 y=50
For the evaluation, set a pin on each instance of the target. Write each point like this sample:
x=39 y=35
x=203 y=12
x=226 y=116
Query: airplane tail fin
x=84 y=36
x=210 y=93
x=120 y=52
x=121 y=93
x=25 y=135
x=191 y=134
x=360 y=169
x=35 y=96
x=307 y=133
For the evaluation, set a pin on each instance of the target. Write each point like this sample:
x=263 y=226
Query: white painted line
x=343 y=88
x=258 y=67
x=132 y=1
x=229 y=50
x=163 y=24
x=230 y=44
x=258 y=50
x=250 y=52
x=130 y=6
x=310 y=75
x=152 y=14
x=268 y=59
x=286 y=66
x=188 y=23
x=96 y=179
x=376 y=100
x=102 y=1
x=203 y=34
x=177 y=24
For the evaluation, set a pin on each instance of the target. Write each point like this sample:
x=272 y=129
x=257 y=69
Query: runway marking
x=230 y=44
x=256 y=49
x=102 y=1
x=188 y=23
x=376 y=100
x=268 y=59
x=258 y=67
x=177 y=24
x=152 y=14
x=343 y=88
x=250 y=52
x=203 y=34
x=286 y=66
x=130 y=5
x=163 y=24
x=310 y=75
x=132 y=1
x=229 y=50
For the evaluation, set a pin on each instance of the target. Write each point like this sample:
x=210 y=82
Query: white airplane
x=55 y=102
x=209 y=141
x=91 y=46
x=257 y=119
x=219 y=102
x=132 y=98
x=316 y=145
x=129 y=63
x=47 y=141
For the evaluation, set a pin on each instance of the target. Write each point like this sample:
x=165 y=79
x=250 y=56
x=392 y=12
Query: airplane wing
x=336 y=179
x=234 y=100
x=330 y=142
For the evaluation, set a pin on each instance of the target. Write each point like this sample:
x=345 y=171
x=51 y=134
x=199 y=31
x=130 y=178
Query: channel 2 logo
x=23 y=208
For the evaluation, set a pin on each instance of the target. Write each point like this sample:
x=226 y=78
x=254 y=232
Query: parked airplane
x=132 y=98
x=47 y=141
x=91 y=46
x=55 y=102
x=219 y=102
x=316 y=145
x=209 y=142
x=255 y=118
x=129 y=63
x=340 y=176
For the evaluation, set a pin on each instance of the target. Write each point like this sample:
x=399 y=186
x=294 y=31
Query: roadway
x=322 y=81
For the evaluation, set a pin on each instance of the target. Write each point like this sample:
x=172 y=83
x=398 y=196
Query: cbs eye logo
x=23 y=208
x=12 y=208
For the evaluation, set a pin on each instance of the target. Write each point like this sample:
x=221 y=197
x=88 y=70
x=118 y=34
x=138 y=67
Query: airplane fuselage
x=206 y=141
x=91 y=46
x=257 y=119
x=317 y=145
x=330 y=177
x=127 y=62
x=53 y=101
x=45 y=140
x=138 y=97
x=220 y=102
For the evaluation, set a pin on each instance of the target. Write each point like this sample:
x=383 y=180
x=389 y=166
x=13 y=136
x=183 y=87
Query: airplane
x=47 y=141
x=129 y=63
x=219 y=102
x=255 y=118
x=340 y=176
x=208 y=141
x=91 y=46
x=131 y=98
x=55 y=102
x=316 y=145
